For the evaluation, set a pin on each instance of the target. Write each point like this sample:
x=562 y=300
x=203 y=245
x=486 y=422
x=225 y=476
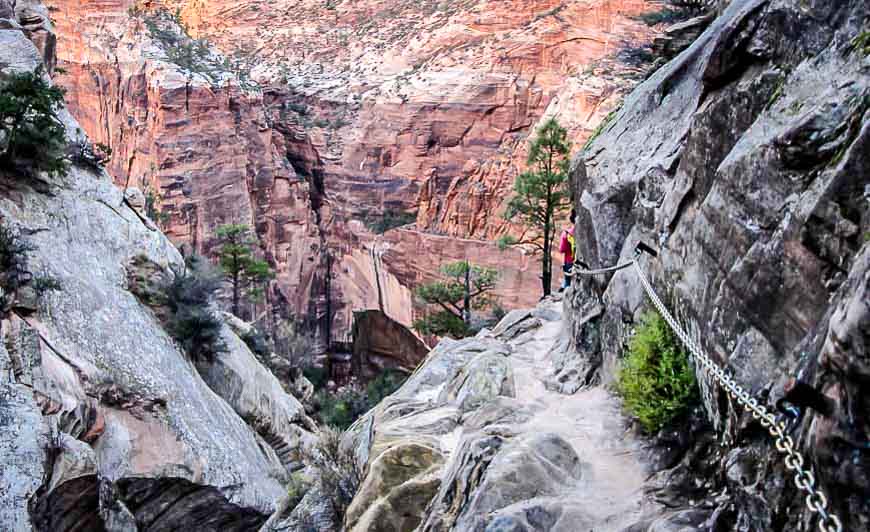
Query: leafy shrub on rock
x=337 y=473
x=32 y=136
x=191 y=321
x=656 y=380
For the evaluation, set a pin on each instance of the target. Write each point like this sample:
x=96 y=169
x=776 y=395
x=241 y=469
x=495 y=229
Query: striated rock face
x=104 y=422
x=363 y=108
x=744 y=161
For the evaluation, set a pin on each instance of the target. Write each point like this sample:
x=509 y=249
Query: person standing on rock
x=567 y=246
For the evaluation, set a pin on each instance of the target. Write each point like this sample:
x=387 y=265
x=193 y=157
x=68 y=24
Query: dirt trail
x=591 y=420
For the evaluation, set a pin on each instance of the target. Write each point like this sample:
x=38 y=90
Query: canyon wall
x=744 y=162
x=309 y=120
x=106 y=423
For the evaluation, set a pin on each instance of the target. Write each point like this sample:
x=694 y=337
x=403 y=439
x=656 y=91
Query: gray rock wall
x=744 y=161
x=104 y=422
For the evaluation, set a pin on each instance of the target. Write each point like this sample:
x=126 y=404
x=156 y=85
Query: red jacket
x=565 y=245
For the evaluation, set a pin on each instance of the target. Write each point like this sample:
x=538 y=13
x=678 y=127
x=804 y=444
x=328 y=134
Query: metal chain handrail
x=804 y=479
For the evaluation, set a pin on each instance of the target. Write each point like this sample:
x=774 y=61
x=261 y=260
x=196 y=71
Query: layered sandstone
x=314 y=117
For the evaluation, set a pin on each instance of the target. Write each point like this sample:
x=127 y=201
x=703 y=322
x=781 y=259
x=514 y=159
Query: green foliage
x=13 y=261
x=94 y=156
x=341 y=409
x=600 y=128
x=297 y=487
x=31 y=133
x=244 y=271
x=466 y=287
x=153 y=210
x=191 y=321
x=192 y=55
x=861 y=43
x=541 y=193
x=337 y=472
x=389 y=219
x=656 y=380
x=383 y=385
x=442 y=323
x=316 y=375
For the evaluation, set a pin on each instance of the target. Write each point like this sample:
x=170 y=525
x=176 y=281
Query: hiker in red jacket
x=567 y=247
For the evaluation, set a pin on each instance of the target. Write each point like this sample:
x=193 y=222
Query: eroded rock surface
x=494 y=448
x=106 y=423
x=744 y=162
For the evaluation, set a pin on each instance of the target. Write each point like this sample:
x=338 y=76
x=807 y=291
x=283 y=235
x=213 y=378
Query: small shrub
x=340 y=409
x=296 y=345
x=13 y=263
x=296 y=489
x=389 y=219
x=316 y=375
x=94 y=156
x=31 y=134
x=337 y=473
x=191 y=321
x=442 y=323
x=656 y=381
x=257 y=343
x=383 y=385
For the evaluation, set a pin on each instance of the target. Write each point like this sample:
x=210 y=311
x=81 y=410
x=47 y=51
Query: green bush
x=316 y=375
x=13 y=260
x=31 y=134
x=341 y=409
x=656 y=381
x=383 y=385
x=389 y=219
x=191 y=321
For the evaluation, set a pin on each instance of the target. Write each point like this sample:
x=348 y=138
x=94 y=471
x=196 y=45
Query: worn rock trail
x=610 y=488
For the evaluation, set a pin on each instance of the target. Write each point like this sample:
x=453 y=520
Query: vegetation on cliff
x=31 y=133
x=466 y=287
x=656 y=381
x=245 y=272
x=540 y=195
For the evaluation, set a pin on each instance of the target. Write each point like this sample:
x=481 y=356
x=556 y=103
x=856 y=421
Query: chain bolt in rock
x=804 y=479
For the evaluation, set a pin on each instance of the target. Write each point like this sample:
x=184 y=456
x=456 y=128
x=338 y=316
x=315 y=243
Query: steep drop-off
x=105 y=422
x=318 y=118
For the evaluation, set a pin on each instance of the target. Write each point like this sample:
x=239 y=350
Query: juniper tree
x=541 y=194
x=466 y=287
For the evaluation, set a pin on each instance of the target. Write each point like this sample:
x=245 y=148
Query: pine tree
x=540 y=194
x=30 y=130
x=238 y=262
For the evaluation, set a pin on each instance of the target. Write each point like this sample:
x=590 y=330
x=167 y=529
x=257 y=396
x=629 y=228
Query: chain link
x=804 y=479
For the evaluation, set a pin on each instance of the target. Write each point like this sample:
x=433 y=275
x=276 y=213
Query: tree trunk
x=547 y=275
x=466 y=308
x=236 y=293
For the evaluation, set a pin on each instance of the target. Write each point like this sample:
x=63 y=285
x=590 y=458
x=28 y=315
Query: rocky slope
x=744 y=161
x=104 y=422
x=319 y=116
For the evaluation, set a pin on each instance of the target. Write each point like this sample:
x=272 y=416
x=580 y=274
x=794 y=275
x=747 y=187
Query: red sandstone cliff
x=303 y=118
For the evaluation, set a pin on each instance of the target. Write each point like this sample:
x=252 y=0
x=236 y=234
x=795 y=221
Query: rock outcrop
x=744 y=162
x=312 y=121
x=105 y=423
x=474 y=441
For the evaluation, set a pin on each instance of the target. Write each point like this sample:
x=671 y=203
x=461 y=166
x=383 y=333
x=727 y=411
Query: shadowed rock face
x=366 y=107
x=744 y=161
x=104 y=422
